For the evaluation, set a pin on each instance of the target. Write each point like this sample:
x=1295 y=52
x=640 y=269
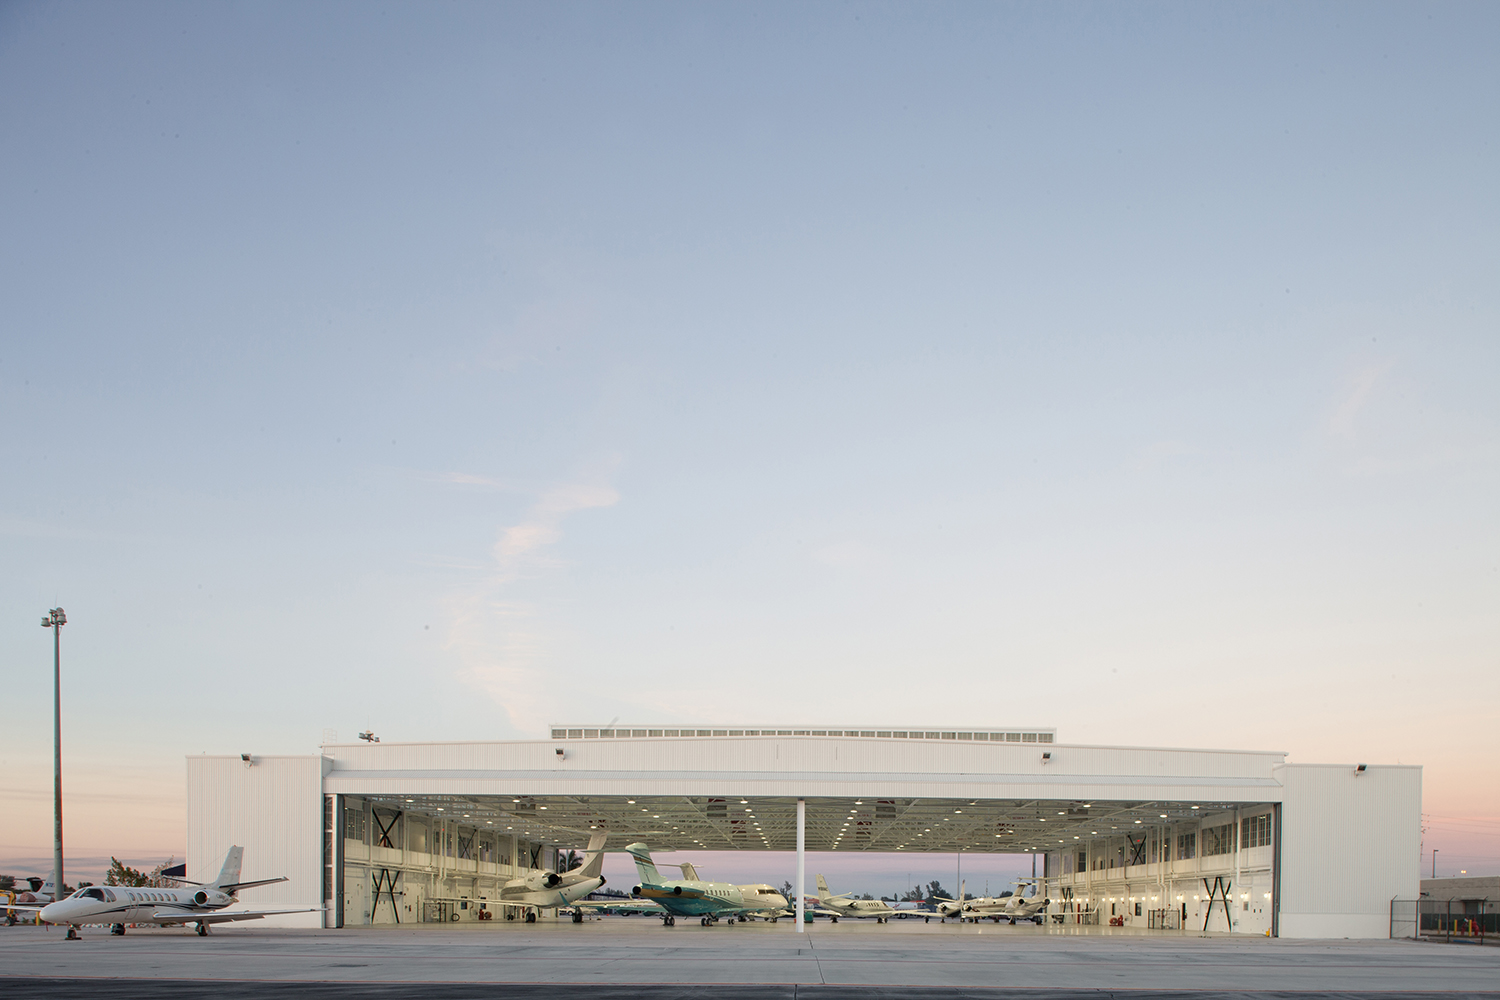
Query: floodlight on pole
x=55 y=619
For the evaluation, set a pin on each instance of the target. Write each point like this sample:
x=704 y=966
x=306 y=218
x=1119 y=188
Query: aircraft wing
x=219 y=916
x=21 y=906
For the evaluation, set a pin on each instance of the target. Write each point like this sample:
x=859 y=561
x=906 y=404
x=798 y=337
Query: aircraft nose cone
x=50 y=913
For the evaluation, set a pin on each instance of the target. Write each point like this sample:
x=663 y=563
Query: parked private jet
x=843 y=906
x=544 y=890
x=693 y=897
x=118 y=905
x=950 y=907
x=1014 y=907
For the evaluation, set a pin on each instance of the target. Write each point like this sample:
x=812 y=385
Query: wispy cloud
x=1355 y=396
x=499 y=633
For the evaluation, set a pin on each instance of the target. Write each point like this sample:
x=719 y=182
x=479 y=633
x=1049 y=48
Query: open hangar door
x=1149 y=865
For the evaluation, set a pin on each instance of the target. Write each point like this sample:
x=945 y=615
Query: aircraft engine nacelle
x=208 y=897
x=635 y=891
x=543 y=880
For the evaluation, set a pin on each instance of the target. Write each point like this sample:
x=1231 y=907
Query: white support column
x=801 y=862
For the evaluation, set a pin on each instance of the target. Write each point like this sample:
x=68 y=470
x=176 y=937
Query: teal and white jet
x=693 y=897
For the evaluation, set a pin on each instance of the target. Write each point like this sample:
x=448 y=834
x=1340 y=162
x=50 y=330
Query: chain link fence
x=1465 y=920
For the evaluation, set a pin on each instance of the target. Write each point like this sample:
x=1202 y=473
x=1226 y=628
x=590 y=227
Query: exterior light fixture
x=1359 y=769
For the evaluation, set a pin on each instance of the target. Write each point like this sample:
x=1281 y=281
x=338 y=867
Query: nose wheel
x=72 y=933
x=118 y=930
x=202 y=929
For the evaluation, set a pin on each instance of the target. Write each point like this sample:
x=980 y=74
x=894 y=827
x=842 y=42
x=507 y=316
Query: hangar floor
x=636 y=952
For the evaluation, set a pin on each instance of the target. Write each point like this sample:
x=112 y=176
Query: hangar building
x=1219 y=840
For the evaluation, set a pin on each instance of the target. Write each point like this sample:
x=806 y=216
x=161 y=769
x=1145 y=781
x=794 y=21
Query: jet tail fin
x=593 y=858
x=644 y=866
x=823 y=893
x=230 y=873
x=689 y=873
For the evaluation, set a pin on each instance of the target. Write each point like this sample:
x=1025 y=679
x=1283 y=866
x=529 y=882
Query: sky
x=451 y=370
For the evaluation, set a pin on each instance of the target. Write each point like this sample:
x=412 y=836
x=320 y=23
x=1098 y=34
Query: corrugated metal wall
x=803 y=765
x=272 y=808
x=1349 y=844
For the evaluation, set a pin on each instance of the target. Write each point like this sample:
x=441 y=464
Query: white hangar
x=1216 y=840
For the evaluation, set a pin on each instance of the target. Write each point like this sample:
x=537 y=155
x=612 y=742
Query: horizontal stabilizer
x=234 y=887
x=176 y=871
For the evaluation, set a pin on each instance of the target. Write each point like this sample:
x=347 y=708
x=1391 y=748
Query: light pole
x=55 y=620
x=1434 y=862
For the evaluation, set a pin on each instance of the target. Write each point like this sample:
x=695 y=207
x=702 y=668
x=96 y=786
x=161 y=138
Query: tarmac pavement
x=624 y=957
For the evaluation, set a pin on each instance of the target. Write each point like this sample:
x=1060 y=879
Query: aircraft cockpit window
x=108 y=896
x=91 y=893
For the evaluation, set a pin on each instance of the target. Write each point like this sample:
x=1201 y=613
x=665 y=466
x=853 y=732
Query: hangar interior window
x=640 y=732
x=1255 y=831
x=1083 y=861
x=1044 y=737
x=1028 y=737
x=1187 y=846
x=1218 y=840
x=559 y=734
x=354 y=822
x=1012 y=737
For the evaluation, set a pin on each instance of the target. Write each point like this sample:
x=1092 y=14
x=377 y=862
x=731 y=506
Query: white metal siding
x=810 y=766
x=1349 y=845
x=272 y=808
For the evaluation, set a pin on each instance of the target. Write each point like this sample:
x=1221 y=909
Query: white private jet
x=1014 y=907
x=950 y=907
x=843 y=906
x=544 y=890
x=118 y=905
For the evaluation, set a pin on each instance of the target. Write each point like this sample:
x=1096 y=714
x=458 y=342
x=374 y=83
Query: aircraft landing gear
x=577 y=917
x=530 y=917
x=202 y=929
x=833 y=920
x=118 y=930
x=72 y=933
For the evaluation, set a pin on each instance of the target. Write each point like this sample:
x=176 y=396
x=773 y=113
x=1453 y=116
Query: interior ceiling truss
x=995 y=826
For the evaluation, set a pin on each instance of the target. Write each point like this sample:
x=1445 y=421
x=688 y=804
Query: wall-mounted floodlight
x=562 y=754
x=369 y=736
x=1046 y=757
x=249 y=761
x=1359 y=769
